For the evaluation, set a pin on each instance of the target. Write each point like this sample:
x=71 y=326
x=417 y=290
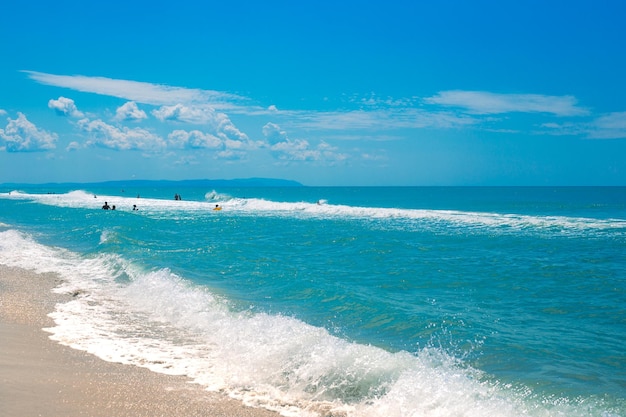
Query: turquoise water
x=410 y=301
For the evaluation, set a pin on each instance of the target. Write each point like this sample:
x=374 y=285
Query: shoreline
x=40 y=377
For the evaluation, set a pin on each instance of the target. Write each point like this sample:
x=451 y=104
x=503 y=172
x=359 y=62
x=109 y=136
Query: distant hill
x=243 y=182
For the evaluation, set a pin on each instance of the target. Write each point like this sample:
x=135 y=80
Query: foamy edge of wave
x=322 y=209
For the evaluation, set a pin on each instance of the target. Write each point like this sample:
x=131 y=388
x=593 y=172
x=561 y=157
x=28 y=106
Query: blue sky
x=324 y=93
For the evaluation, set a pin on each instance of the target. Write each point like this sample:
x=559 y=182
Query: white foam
x=158 y=320
x=406 y=218
x=215 y=196
x=513 y=222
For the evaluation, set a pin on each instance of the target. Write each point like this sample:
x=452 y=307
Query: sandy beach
x=39 y=377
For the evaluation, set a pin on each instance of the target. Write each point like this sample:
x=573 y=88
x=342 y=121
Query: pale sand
x=39 y=377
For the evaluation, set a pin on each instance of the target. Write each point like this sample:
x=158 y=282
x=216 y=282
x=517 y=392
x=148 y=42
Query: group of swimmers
x=176 y=197
x=107 y=207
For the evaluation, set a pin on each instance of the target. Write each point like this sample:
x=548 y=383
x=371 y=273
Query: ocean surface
x=343 y=301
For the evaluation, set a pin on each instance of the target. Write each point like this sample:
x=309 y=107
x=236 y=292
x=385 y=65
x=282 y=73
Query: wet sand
x=39 y=377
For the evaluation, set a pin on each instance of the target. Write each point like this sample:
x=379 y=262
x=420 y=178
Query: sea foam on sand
x=41 y=377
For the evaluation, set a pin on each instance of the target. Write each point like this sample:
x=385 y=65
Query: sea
x=342 y=301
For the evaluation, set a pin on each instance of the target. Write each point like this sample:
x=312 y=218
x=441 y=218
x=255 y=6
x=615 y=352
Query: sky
x=372 y=93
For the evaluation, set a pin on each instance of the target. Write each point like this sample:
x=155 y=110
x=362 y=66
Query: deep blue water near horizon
x=360 y=300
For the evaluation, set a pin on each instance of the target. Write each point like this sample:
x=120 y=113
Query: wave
x=215 y=196
x=394 y=217
x=158 y=320
x=452 y=217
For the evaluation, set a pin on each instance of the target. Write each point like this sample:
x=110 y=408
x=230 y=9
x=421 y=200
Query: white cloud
x=374 y=101
x=65 y=107
x=129 y=111
x=374 y=156
x=609 y=126
x=482 y=102
x=564 y=129
x=206 y=106
x=141 y=92
x=188 y=114
x=20 y=135
x=72 y=146
x=182 y=113
x=112 y=137
x=3 y=112
x=330 y=153
x=194 y=139
x=229 y=130
x=298 y=149
x=378 y=120
x=274 y=134
x=218 y=123
x=376 y=117
x=231 y=155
